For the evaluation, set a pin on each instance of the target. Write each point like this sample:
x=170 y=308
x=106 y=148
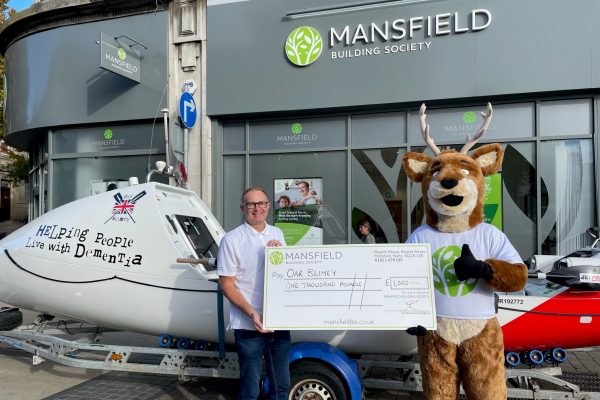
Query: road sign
x=187 y=110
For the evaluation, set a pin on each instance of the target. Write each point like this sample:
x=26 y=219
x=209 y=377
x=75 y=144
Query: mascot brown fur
x=471 y=259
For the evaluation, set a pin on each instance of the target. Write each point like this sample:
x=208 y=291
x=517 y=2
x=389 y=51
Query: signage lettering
x=398 y=29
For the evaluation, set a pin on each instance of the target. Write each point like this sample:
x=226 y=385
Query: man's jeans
x=251 y=346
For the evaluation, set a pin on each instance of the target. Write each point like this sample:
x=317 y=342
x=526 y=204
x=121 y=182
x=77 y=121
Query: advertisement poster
x=492 y=203
x=297 y=210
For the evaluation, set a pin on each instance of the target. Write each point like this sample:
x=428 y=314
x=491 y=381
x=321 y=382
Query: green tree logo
x=303 y=46
x=121 y=53
x=276 y=258
x=444 y=278
x=108 y=134
x=296 y=128
x=469 y=117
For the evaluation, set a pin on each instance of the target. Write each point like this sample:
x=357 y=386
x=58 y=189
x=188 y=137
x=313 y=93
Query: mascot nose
x=449 y=183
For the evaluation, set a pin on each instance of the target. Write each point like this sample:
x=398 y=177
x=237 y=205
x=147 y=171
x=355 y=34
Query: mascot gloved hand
x=470 y=260
x=466 y=266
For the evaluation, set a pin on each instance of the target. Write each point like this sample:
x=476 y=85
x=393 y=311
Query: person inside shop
x=306 y=196
x=241 y=276
x=284 y=201
x=364 y=227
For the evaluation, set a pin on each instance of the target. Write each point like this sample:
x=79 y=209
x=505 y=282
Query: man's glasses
x=260 y=204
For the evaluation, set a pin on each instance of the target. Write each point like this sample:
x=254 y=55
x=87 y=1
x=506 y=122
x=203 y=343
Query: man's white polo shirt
x=242 y=254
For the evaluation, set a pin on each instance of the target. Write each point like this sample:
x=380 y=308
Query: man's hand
x=467 y=266
x=257 y=321
x=274 y=243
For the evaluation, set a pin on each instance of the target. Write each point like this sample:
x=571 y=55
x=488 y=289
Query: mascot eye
x=436 y=173
x=464 y=171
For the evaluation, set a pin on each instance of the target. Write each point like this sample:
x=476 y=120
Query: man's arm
x=235 y=297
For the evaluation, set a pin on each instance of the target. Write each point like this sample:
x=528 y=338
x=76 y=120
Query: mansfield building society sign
x=119 y=59
x=304 y=45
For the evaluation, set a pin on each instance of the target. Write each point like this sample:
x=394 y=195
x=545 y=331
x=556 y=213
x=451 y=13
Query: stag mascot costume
x=471 y=259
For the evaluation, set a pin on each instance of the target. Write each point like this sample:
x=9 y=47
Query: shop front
x=320 y=102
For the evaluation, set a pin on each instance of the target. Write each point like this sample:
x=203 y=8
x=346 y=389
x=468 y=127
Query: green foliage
x=17 y=169
x=5 y=13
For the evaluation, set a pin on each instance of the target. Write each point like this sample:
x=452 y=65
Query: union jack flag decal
x=123 y=207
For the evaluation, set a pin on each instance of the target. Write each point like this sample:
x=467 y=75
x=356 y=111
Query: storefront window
x=566 y=117
x=452 y=125
x=234 y=176
x=79 y=177
x=109 y=138
x=299 y=134
x=519 y=204
x=567 y=169
x=234 y=137
x=379 y=195
x=380 y=129
x=325 y=173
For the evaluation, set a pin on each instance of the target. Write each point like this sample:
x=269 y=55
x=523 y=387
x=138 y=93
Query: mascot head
x=453 y=182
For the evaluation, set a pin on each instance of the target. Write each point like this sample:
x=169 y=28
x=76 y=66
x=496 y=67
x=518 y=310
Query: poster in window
x=492 y=207
x=297 y=209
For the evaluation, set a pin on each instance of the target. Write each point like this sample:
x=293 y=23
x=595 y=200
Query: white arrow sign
x=187 y=110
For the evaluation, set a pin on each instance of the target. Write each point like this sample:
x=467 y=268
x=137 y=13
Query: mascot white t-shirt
x=470 y=299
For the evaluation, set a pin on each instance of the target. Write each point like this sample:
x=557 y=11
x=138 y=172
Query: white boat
x=111 y=260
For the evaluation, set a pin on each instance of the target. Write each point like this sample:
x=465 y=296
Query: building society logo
x=276 y=258
x=469 y=117
x=121 y=53
x=303 y=46
x=296 y=128
x=444 y=277
x=108 y=134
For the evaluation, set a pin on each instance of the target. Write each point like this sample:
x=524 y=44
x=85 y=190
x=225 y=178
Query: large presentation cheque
x=366 y=287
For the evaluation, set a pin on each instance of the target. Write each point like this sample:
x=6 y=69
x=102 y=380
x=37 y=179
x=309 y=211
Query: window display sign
x=298 y=134
x=108 y=138
x=297 y=210
x=492 y=207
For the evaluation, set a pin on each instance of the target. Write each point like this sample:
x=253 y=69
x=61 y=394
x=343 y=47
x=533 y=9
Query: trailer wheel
x=313 y=381
x=10 y=319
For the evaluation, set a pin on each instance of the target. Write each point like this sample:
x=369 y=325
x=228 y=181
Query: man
x=241 y=275
x=306 y=197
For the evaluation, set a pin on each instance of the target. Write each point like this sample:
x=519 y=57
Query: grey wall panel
x=54 y=77
x=524 y=49
x=528 y=50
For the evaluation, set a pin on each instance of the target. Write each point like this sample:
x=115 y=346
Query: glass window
x=200 y=238
x=79 y=177
x=566 y=117
x=451 y=125
x=381 y=129
x=109 y=138
x=234 y=178
x=327 y=169
x=519 y=197
x=234 y=137
x=567 y=171
x=298 y=134
x=379 y=195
